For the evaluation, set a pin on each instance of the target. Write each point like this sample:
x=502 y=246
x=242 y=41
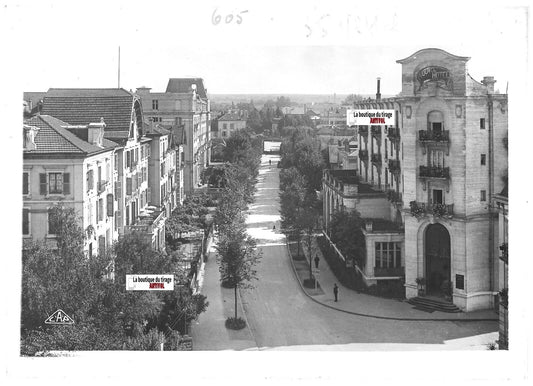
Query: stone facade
x=445 y=158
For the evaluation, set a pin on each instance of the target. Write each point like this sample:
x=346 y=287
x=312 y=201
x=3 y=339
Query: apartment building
x=122 y=112
x=439 y=166
x=71 y=165
x=183 y=106
x=162 y=181
x=230 y=123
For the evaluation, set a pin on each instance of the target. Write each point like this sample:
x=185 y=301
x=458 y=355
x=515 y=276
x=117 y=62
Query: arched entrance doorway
x=437 y=259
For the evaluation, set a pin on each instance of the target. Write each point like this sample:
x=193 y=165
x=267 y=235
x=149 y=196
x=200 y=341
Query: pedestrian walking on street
x=336 y=291
x=317 y=259
x=270 y=162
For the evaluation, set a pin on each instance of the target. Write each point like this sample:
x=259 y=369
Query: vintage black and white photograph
x=316 y=179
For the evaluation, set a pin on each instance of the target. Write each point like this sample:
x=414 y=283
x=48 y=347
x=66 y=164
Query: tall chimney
x=95 y=133
x=30 y=132
x=378 y=94
x=489 y=81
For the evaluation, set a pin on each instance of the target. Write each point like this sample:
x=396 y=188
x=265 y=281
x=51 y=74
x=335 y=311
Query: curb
x=246 y=319
x=379 y=316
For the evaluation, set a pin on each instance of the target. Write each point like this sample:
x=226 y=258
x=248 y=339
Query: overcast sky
x=319 y=47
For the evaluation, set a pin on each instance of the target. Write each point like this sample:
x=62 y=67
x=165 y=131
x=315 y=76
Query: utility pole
x=118 y=66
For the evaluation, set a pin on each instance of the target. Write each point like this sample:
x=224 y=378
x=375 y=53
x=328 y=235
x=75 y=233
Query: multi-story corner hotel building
x=439 y=165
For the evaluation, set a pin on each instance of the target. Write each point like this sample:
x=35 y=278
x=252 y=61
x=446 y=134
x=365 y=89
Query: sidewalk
x=209 y=331
x=355 y=303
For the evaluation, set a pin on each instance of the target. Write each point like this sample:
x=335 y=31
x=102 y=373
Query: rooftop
x=184 y=85
x=231 y=117
x=54 y=137
x=83 y=106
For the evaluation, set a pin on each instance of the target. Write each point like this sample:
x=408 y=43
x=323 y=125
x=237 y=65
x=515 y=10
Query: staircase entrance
x=438 y=272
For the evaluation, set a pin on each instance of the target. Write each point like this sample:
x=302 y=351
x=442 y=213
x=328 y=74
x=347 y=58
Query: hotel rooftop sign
x=437 y=74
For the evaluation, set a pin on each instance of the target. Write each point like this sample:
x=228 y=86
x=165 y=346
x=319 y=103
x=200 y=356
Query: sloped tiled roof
x=83 y=106
x=231 y=117
x=183 y=85
x=53 y=137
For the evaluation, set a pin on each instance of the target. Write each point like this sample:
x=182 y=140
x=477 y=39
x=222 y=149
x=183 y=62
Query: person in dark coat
x=336 y=291
x=317 y=259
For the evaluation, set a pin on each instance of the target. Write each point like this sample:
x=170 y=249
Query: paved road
x=280 y=315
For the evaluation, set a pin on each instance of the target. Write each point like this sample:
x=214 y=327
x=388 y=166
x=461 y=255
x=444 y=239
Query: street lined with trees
x=236 y=250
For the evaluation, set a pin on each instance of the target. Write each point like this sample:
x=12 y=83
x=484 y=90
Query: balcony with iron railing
x=438 y=172
x=376 y=159
x=363 y=154
x=146 y=223
x=434 y=136
x=394 y=165
x=102 y=186
x=421 y=209
x=393 y=133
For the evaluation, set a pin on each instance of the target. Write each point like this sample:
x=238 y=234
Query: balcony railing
x=433 y=136
x=394 y=165
x=363 y=154
x=363 y=130
x=146 y=224
x=391 y=271
x=101 y=186
x=434 y=172
x=376 y=159
x=393 y=133
x=421 y=209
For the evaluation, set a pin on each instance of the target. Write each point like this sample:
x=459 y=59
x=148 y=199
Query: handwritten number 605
x=216 y=18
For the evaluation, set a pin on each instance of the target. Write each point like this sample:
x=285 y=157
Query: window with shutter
x=100 y=210
x=25 y=183
x=43 y=186
x=110 y=206
x=25 y=221
x=55 y=183
x=128 y=186
x=66 y=183
x=101 y=245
